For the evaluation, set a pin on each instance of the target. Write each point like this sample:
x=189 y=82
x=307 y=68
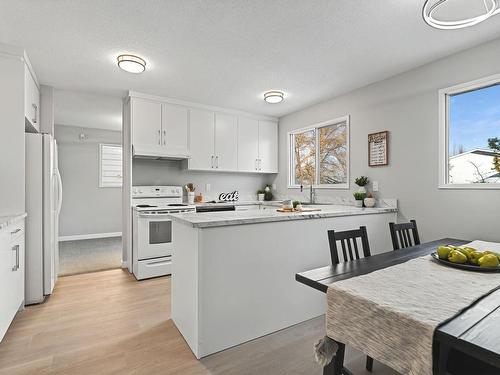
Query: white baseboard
x=89 y=236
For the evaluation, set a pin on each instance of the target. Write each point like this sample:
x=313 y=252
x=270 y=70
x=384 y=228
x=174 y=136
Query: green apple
x=443 y=252
x=456 y=256
x=489 y=260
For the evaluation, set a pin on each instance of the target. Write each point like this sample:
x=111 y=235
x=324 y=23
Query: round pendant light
x=274 y=97
x=491 y=7
x=131 y=63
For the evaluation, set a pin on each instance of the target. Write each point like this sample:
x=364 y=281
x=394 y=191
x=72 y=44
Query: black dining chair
x=401 y=237
x=350 y=251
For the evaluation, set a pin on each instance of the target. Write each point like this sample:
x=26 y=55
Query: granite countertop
x=6 y=220
x=241 y=203
x=227 y=218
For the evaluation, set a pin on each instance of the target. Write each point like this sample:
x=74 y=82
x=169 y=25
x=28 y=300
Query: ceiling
x=228 y=52
x=87 y=110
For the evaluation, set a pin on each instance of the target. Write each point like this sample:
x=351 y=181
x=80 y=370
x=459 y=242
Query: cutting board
x=291 y=210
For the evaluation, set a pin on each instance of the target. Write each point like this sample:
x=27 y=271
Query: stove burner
x=177 y=205
x=145 y=206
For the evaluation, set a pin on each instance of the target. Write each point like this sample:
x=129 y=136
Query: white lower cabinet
x=11 y=273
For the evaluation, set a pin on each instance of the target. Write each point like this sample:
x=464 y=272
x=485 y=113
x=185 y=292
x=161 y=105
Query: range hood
x=146 y=152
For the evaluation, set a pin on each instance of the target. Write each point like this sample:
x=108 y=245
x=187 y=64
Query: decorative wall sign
x=229 y=197
x=378 y=149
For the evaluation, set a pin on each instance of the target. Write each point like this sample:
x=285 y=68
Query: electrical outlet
x=207 y=187
x=273 y=186
x=375 y=185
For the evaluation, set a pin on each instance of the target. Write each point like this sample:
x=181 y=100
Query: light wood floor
x=108 y=323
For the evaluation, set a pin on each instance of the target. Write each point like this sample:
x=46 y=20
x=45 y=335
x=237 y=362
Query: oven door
x=154 y=236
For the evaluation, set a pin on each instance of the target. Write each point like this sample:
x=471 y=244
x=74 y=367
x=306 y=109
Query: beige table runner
x=391 y=314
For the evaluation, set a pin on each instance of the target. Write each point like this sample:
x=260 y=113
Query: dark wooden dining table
x=469 y=343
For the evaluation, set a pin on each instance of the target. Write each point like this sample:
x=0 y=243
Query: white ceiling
x=227 y=52
x=87 y=110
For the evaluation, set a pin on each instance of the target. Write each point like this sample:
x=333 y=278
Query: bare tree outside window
x=333 y=154
x=305 y=157
x=320 y=155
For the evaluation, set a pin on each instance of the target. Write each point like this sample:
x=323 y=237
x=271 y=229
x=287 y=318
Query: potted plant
x=362 y=181
x=369 y=200
x=359 y=196
x=297 y=205
x=260 y=195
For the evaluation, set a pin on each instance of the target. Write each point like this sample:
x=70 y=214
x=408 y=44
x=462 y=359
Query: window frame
x=101 y=184
x=444 y=95
x=291 y=160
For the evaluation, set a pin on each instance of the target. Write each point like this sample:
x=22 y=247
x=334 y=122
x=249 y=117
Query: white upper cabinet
x=268 y=147
x=248 y=144
x=146 y=124
x=174 y=125
x=226 y=142
x=31 y=102
x=211 y=138
x=201 y=139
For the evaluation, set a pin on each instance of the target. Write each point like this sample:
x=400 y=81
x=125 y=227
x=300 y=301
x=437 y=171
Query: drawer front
x=153 y=268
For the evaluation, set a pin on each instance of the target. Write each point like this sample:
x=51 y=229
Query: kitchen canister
x=190 y=195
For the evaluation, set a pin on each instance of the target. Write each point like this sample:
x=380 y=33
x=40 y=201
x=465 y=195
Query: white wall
x=165 y=172
x=407 y=106
x=86 y=208
x=12 y=145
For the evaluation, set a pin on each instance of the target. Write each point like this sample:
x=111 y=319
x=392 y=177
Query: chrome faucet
x=312 y=193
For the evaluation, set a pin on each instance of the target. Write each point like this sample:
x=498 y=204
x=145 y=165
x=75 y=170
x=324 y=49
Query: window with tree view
x=473 y=131
x=319 y=155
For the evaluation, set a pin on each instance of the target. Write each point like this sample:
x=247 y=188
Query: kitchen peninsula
x=233 y=273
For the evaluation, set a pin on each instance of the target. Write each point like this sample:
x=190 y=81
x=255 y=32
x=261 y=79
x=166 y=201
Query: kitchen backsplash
x=167 y=172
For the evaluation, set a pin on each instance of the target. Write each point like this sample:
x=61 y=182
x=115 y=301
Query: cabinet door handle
x=16 y=249
x=256 y=164
x=16 y=231
x=36 y=113
x=212 y=161
x=217 y=161
x=164 y=138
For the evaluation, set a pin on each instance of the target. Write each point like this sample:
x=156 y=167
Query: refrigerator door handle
x=59 y=191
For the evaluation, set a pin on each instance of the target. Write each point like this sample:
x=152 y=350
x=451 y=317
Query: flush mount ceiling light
x=491 y=7
x=274 y=96
x=131 y=63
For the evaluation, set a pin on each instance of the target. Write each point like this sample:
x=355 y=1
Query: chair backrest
x=349 y=245
x=400 y=235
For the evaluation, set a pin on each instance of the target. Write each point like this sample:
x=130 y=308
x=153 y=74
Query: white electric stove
x=153 y=239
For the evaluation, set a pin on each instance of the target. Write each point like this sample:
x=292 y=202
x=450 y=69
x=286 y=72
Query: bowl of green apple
x=468 y=258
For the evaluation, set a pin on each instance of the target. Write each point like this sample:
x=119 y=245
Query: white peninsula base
x=234 y=283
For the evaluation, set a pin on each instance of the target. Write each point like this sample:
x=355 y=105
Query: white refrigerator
x=43 y=205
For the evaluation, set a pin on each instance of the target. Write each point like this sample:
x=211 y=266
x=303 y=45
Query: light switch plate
x=273 y=186
x=375 y=185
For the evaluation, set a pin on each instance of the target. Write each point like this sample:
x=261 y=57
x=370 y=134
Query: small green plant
x=361 y=181
x=295 y=204
x=359 y=196
x=261 y=191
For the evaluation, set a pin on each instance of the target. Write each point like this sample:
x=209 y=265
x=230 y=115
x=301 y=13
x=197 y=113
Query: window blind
x=110 y=161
